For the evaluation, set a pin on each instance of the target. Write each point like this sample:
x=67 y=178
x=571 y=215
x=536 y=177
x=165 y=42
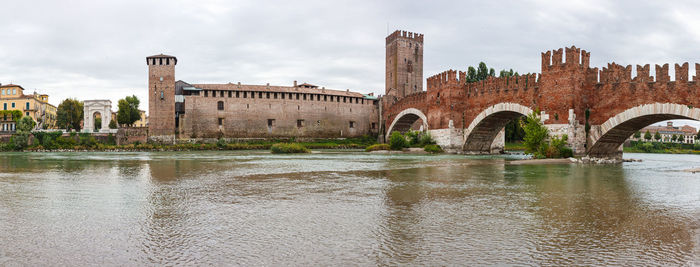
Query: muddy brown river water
x=344 y=208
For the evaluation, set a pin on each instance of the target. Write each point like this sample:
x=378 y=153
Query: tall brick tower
x=404 y=64
x=161 y=97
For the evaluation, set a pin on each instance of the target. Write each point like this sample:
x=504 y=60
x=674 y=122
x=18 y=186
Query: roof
x=273 y=88
x=11 y=85
x=308 y=85
x=163 y=56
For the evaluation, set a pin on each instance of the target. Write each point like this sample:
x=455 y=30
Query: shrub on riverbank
x=663 y=148
x=378 y=147
x=283 y=148
x=433 y=149
x=397 y=141
x=535 y=140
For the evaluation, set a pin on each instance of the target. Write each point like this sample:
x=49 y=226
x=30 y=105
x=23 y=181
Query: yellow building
x=143 y=121
x=34 y=105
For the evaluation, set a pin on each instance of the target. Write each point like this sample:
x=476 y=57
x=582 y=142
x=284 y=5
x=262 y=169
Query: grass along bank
x=661 y=148
x=85 y=142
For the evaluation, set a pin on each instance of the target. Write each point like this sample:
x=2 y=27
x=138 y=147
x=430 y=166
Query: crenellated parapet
x=615 y=73
x=492 y=85
x=575 y=58
x=450 y=77
x=404 y=34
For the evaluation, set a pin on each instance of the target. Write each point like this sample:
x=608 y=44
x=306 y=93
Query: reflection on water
x=253 y=208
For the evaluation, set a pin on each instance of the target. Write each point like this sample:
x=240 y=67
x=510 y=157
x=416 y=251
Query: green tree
x=637 y=135
x=535 y=135
x=471 y=75
x=647 y=135
x=128 y=111
x=674 y=138
x=69 y=114
x=482 y=71
x=514 y=130
x=397 y=141
x=98 y=124
x=697 y=136
x=24 y=128
x=112 y=124
x=657 y=136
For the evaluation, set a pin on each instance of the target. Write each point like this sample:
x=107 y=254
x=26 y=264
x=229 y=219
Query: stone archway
x=90 y=107
x=405 y=119
x=608 y=137
x=482 y=131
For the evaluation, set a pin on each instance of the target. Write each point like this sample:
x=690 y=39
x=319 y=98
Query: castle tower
x=404 y=64
x=161 y=97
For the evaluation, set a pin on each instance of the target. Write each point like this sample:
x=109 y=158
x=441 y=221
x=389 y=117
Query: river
x=344 y=208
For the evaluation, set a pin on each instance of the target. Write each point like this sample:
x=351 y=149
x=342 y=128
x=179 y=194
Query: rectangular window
x=275 y=95
x=352 y=124
x=318 y=97
x=27 y=105
x=230 y=94
x=270 y=123
x=290 y=96
x=27 y=113
x=297 y=96
x=325 y=98
x=260 y=95
x=206 y=93
x=282 y=95
x=267 y=95
x=252 y=94
x=3 y=91
x=14 y=91
x=345 y=99
x=220 y=105
x=363 y=101
x=300 y=123
x=4 y=106
x=221 y=93
x=374 y=125
x=237 y=94
x=245 y=94
x=304 y=97
x=221 y=121
x=13 y=104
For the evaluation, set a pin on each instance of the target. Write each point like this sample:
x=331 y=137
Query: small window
x=247 y=106
x=230 y=94
x=352 y=124
x=282 y=95
x=270 y=123
x=220 y=105
x=27 y=106
x=374 y=125
x=221 y=121
x=162 y=95
x=245 y=94
x=260 y=95
x=297 y=96
x=3 y=91
x=290 y=96
x=237 y=94
x=13 y=104
x=345 y=99
x=304 y=96
x=325 y=98
x=221 y=93
x=161 y=78
x=267 y=95
x=275 y=95
x=318 y=97
x=206 y=93
x=300 y=123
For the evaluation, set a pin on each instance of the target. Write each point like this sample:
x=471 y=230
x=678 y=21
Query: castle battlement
x=615 y=73
x=404 y=34
x=493 y=84
x=449 y=77
x=575 y=57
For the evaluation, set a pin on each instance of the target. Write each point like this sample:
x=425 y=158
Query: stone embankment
x=584 y=160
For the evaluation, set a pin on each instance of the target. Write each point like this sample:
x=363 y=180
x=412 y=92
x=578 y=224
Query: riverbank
x=661 y=148
x=87 y=145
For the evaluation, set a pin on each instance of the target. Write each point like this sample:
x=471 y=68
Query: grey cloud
x=96 y=49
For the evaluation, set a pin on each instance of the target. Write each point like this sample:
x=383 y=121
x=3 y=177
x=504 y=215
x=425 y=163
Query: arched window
x=220 y=105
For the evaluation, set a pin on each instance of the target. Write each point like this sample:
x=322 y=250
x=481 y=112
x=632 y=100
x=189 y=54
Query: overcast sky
x=97 y=49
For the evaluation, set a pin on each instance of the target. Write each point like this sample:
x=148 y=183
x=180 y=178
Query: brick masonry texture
x=566 y=88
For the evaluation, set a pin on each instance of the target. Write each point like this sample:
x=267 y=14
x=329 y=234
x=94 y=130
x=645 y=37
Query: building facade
x=684 y=134
x=34 y=105
x=188 y=110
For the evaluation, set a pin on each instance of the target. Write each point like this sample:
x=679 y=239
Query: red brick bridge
x=597 y=109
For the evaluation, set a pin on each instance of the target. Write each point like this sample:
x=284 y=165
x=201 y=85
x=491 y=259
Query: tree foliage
x=637 y=135
x=128 y=112
x=514 y=130
x=657 y=136
x=647 y=135
x=535 y=136
x=397 y=141
x=69 y=114
x=112 y=124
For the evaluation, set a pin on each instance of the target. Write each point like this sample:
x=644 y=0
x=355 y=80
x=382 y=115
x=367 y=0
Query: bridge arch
x=607 y=140
x=403 y=121
x=483 y=129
